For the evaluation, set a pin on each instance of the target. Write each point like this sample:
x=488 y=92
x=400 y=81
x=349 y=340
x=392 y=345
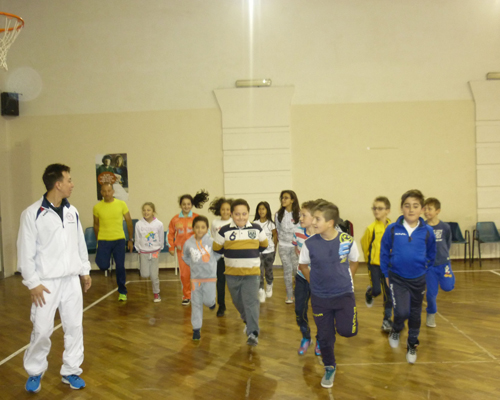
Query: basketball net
x=10 y=27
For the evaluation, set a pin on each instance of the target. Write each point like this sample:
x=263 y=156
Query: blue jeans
x=438 y=275
x=103 y=256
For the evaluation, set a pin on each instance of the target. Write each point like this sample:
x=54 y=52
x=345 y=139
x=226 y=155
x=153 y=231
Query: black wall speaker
x=10 y=103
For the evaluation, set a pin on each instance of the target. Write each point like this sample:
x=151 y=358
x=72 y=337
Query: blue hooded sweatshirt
x=404 y=255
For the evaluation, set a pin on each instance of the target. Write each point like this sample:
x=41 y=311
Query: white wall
x=138 y=77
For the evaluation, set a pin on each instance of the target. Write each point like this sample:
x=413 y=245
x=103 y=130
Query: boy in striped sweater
x=241 y=242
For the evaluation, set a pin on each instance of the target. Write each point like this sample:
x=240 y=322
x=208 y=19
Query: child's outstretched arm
x=304 y=261
x=353 y=258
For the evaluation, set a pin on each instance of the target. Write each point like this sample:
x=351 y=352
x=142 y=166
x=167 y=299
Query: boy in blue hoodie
x=408 y=249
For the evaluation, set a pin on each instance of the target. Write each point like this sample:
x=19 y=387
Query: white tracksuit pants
x=65 y=295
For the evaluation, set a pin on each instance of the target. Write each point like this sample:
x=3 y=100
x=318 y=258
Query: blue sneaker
x=304 y=345
x=74 y=381
x=317 y=350
x=34 y=384
x=327 y=381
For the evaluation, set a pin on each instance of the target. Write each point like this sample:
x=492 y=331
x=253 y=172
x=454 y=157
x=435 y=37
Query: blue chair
x=485 y=232
x=165 y=248
x=90 y=240
x=457 y=238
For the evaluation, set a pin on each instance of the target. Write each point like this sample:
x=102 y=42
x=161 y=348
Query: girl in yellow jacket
x=180 y=229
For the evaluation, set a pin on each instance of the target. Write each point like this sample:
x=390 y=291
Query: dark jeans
x=407 y=297
x=334 y=313
x=379 y=285
x=221 y=282
x=302 y=296
x=103 y=256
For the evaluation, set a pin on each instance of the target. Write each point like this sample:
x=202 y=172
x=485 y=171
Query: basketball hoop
x=10 y=26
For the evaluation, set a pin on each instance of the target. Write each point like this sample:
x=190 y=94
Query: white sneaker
x=431 y=320
x=269 y=290
x=411 y=353
x=289 y=300
x=394 y=339
x=262 y=296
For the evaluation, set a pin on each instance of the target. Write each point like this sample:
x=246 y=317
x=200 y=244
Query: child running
x=263 y=217
x=408 y=250
x=370 y=243
x=440 y=274
x=199 y=255
x=302 y=289
x=287 y=219
x=242 y=242
x=149 y=241
x=220 y=207
x=333 y=260
x=180 y=229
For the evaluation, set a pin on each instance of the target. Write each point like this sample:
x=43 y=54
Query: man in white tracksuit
x=51 y=255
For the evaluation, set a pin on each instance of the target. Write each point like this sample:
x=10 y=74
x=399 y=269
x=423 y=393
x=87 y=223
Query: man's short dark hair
x=54 y=173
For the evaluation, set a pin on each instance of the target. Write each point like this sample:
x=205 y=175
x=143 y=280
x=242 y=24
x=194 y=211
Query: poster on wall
x=112 y=168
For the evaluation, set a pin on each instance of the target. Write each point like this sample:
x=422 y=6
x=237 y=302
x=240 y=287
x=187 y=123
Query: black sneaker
x=386 y=325
x=196 y=334
x=368 y=297
x=186 y=302
x=221 y=311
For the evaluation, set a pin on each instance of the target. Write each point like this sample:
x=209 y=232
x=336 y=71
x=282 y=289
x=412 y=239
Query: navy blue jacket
x=407 y=256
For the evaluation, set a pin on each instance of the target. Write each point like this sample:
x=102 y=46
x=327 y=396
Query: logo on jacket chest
x=69 y=217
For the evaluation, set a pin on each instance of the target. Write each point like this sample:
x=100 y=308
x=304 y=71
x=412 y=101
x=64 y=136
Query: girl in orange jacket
x=180 y=229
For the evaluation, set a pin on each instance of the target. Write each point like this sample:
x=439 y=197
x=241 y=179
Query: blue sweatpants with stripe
x=438 y=275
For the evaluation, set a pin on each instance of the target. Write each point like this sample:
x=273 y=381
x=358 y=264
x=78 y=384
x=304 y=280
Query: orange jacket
x=180 y=229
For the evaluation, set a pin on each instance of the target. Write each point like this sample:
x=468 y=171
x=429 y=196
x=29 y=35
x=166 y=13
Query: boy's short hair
x=239 y=202
x=200 y=218
x=330 y=211
x=384 y=200
x=416 y=194
x=432 y=201
x=54 y=173
x=309 y=205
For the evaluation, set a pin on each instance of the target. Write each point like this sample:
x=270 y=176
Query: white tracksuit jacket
x=48 y=248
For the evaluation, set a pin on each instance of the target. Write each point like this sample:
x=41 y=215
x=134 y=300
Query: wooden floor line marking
x=58 y=326
x=494 y=272
x=467 y=336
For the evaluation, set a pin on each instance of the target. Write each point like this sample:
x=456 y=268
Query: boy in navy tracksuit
x=408 y=249
x=441 y=273
x=333 y=259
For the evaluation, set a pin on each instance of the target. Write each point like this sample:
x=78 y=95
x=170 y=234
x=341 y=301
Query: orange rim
x=12 y=16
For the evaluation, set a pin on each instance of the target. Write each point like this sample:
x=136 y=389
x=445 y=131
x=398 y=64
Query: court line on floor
x=494 y=272
x=467 y=336
x=420 y=362
x=60 y=325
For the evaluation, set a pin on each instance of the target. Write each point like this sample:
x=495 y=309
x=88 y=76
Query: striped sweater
x=241 y=248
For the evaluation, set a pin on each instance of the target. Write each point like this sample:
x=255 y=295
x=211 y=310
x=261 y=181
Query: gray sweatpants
x=201 y=293
x=245 y=294
x=266 y=268
x=149 y=269
x=290 y=263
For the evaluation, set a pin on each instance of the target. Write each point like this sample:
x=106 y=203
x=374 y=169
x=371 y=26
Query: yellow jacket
x=370 y=242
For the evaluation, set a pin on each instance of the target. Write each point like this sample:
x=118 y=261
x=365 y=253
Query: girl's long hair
x=295 y=206
x=269 y=215
x=217 y=203
x=198 y=200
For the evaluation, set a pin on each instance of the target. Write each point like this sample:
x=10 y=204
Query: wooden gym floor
x=143 y=350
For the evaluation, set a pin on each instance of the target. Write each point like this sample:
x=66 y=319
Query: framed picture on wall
x=112 y=168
